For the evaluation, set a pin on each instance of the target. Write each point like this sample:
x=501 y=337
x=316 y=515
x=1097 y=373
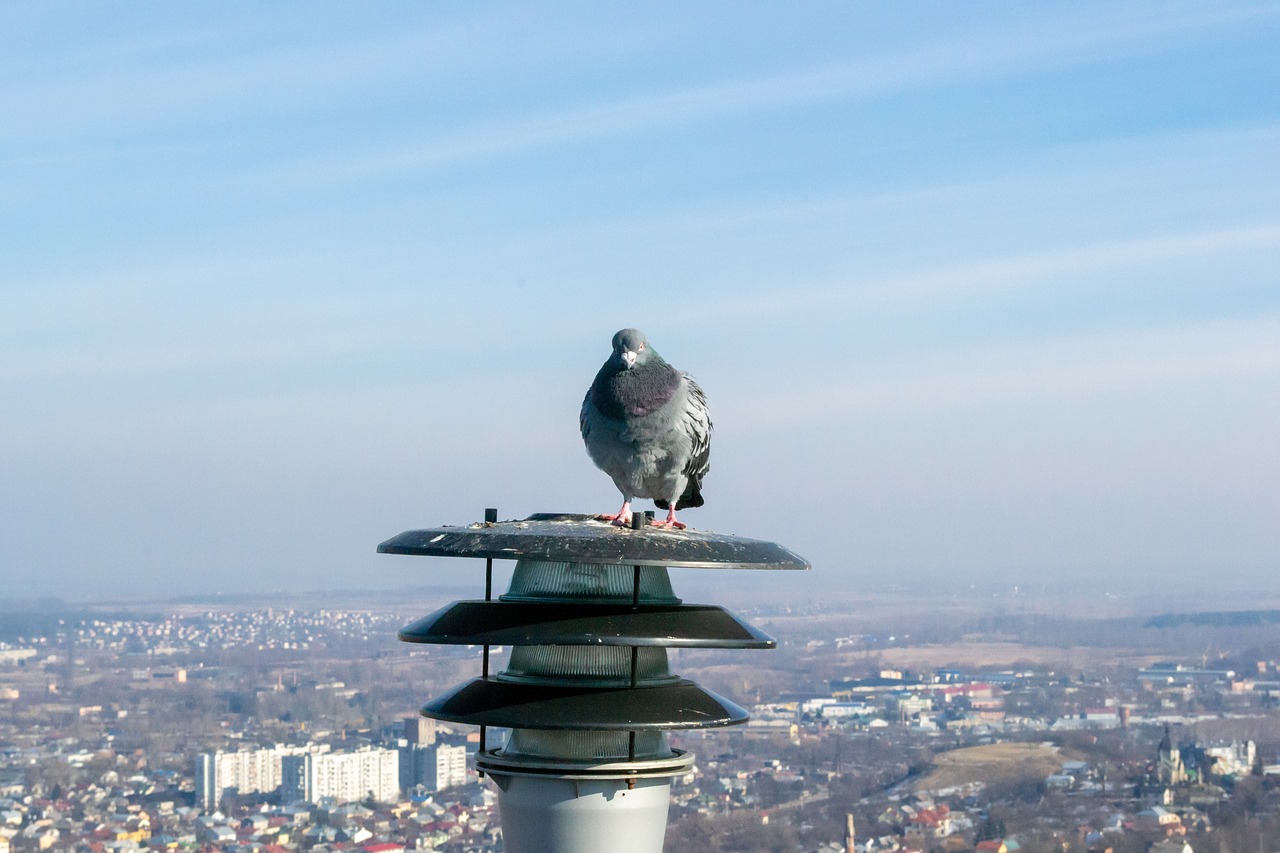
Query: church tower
x=1170 y=770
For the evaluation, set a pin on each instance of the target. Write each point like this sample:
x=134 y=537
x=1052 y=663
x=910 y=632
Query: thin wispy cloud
x=218 y=69
x=1064 y=369
x=941 y=64
x=1034 y=269
x=1103 y=167
x=276 y=350
x=993 y=275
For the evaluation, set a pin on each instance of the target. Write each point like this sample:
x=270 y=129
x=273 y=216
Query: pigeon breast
x=624 y=394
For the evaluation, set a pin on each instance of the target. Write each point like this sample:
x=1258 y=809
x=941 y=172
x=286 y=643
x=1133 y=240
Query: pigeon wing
x=695 y=420
x=584 y=416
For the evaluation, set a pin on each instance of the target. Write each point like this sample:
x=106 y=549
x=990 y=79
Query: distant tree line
x=1216 y=619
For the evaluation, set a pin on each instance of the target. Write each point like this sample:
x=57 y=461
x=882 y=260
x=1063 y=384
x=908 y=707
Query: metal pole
x=490 y=517
x=638 y=521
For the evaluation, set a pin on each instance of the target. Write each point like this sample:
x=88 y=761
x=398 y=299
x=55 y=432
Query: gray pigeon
x=646 y=425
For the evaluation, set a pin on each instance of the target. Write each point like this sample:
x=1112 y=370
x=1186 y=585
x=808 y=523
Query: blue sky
x=978 y=292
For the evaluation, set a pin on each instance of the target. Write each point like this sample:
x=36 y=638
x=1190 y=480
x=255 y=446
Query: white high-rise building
x=247 y=771
x=344 y=776
x=433 y=767
x=450 y=767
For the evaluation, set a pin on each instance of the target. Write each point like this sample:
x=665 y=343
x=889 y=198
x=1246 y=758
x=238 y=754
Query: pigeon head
x=630 y=348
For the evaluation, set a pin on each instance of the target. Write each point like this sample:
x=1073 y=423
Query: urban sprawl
x=265 y=730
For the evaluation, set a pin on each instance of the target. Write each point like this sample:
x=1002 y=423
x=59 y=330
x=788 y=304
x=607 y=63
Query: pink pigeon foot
x=670 y=520
x=622 y=517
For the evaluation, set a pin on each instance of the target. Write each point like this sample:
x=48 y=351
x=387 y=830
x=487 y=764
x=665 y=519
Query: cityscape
x=950 y=330
x=974 y=723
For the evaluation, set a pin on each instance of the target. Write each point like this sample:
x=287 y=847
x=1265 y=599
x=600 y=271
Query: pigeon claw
x=622 y=517
x=670 y=520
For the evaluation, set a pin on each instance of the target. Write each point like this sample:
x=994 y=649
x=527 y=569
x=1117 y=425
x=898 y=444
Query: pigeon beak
x=629 y=358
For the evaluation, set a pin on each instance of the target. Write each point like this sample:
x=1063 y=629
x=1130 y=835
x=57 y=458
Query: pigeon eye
x=639 y=348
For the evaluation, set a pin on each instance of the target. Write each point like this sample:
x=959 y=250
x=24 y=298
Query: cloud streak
x=1064 y=369
x=941 y=64
x=994 y=275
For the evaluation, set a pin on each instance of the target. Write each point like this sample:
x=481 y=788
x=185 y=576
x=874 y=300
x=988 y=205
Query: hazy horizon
x=981 y=292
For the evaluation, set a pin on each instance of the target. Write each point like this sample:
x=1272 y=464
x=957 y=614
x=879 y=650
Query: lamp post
x=587 y=693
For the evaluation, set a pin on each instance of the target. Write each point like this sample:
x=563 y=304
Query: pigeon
x=645 y=424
